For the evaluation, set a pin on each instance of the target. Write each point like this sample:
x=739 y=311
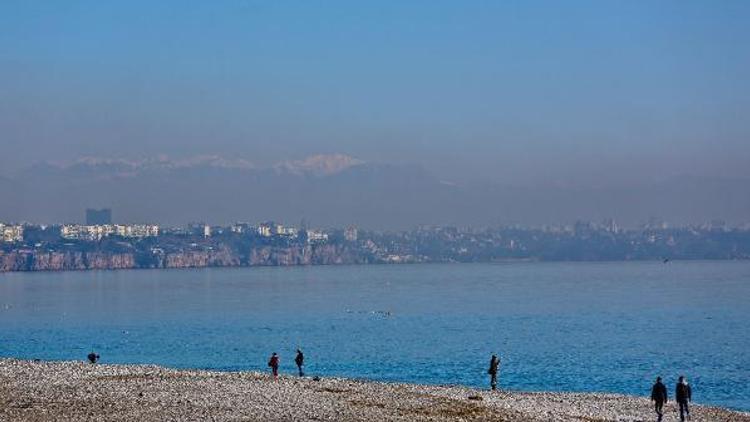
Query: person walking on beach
x=683 y=395
x=274 y=364
x=659 y=396
x=494 y=367
x=300 y=361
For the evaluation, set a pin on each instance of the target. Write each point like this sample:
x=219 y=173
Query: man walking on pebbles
x=300 y=361
x=682 y=396
x=659 y=396
x=494 y=368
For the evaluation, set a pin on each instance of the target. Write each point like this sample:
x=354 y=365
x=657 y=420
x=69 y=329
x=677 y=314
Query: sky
x=521 y=93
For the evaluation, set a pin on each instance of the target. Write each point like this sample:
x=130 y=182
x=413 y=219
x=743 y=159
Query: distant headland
x=102 y=245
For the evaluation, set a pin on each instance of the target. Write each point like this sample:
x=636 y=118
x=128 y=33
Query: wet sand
x=57 y=391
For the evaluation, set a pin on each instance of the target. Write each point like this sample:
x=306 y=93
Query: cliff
x=30 y=260
x=34 y=260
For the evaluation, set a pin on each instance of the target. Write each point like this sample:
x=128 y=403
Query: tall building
x=100 y=217
x=350 y=234
x=264 y=229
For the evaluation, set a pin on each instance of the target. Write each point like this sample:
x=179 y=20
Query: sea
x=588 y=327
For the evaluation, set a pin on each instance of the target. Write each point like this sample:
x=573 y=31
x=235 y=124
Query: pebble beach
x=57 y=391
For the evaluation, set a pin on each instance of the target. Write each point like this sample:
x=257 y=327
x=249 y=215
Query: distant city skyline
x=119 y=246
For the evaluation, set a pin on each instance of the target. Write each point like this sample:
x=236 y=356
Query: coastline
x=54 y=248
x=355 y=264
x=45 y=391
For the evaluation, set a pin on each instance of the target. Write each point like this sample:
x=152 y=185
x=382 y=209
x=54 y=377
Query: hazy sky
x=526 y=92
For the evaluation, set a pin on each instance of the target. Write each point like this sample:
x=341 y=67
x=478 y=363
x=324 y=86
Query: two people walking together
x=683 y=396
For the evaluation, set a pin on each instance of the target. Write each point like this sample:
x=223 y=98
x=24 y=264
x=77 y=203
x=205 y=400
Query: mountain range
x=337 y=190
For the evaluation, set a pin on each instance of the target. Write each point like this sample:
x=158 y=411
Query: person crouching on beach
x=93 y=357
x=494 y=367
x=659 y=396
x=274 y=364
x=682 y=396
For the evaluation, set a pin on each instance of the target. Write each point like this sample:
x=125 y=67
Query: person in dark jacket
x=659 y=396
x=93 y=357
x=300 y=361
x=683 y=395
x=274 y=364
x=494 y=368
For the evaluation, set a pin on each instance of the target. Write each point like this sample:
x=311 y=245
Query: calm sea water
x=557 y=326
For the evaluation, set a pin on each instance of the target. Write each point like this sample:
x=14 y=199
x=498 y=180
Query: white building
x=264 y=230
x=11 y=233
x=286 y=231
x=137 y=230
x=79 y=232
x=240 y=228
x=316 y=236
x=73 y=232
x=351 y=234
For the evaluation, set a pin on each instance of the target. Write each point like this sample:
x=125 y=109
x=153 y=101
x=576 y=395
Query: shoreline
x=377 y=264
x=71 y=390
